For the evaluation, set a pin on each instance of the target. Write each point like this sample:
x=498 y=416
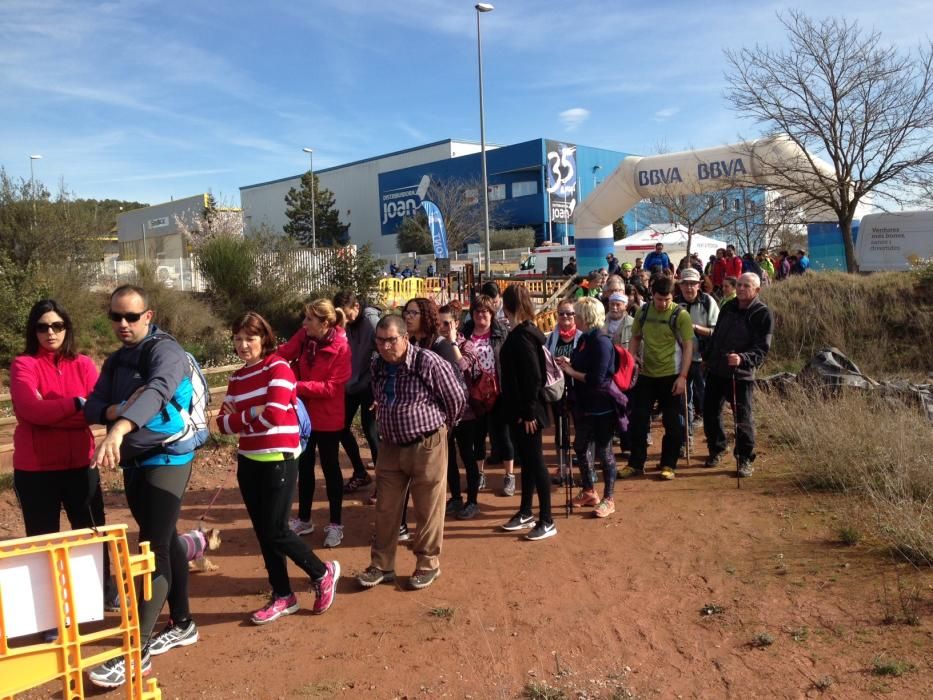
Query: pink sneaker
x=326 y=588
x=274 y=609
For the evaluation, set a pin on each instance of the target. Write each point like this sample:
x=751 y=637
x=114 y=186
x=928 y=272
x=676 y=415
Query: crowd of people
x=431 y=384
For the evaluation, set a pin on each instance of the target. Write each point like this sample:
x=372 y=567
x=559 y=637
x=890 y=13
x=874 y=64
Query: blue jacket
x=595 y=357
x=655 y=258
x=156 y=418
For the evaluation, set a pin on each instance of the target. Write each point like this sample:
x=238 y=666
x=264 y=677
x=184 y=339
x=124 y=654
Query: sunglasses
x=131 y=317
x=566 y=314
x=56 y=327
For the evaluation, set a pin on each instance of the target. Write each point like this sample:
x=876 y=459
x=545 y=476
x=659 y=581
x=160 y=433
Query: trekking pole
x=568 y=460
x=686 y=428
x=735 y=423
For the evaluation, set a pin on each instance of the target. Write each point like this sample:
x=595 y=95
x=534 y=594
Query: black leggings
x=466 y=435
x=361 y=401
x=267 y=489
x=154 y=496
x=42 y=495
x=328 y=443
x=534 y=472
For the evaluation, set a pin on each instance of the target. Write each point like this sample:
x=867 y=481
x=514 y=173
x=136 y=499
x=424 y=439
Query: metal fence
x=502 y=257
x=302 y=269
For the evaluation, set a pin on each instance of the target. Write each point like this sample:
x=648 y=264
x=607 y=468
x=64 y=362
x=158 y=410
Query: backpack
x=672 y=321
x=553 y=389
x=304 y=423
x=197 y=429
x=624 y=374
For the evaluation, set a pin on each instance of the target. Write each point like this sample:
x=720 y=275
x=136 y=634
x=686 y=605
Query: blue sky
x=146 y=100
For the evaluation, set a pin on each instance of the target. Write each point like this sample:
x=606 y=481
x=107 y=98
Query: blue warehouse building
x=534 y=184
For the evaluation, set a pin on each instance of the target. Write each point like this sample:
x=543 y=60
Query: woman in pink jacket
x=320 y=354
x=52 y=443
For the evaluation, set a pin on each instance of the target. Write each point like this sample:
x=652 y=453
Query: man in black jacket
x=738 y=346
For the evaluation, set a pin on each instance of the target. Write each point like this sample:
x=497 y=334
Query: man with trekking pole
x=738 y=346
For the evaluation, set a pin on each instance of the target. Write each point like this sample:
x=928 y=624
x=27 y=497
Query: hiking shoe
x=468 y=512
x=586 y=497
x=404 y=535
x=173 y=636
x=373 y=576
x=112 y=674
x=605 y=508
x=325 y=588
x=667 y=474
x=357 y=482
x=519 y=522
x=274 y=609
x=333 y=535
x=508 y=485
x=542 y=531
x=745 y=468
x=713 y=460
x=628 y=472
x=454 y=505
x=422 y=578
x=482 y=481
x=300 y=527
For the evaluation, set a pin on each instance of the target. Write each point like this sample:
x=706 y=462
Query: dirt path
x=605 y=609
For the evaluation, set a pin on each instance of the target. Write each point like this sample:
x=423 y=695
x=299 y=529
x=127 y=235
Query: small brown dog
x=197 y=543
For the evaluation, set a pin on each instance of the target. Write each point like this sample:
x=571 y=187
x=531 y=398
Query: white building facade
x=356 y=192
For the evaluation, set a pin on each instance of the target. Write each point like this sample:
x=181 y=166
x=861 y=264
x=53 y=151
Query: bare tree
x=460 y=204
x=766 y=222
x=837 y=92
x=710 y=214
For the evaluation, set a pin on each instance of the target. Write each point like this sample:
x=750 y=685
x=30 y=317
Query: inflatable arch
x=687 y=173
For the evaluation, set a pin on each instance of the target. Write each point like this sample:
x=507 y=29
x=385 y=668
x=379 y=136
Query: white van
x=893 y=241
x=546 y=259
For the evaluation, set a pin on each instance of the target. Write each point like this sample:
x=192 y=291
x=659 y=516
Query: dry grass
x=883 y=322
x=876 y=451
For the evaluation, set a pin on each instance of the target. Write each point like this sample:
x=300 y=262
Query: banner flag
x=436 y=226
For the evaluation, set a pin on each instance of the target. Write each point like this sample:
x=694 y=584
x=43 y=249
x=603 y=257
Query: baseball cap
x=689 y=275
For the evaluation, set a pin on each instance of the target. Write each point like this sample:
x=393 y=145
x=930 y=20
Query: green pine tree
x=328 y=229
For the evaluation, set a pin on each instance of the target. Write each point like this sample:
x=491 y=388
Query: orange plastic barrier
x=31 y=665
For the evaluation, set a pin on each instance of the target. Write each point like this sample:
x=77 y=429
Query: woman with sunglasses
x=561 y=342
x=52 y=443
x=321 y=353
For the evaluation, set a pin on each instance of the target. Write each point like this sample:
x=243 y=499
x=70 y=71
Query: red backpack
x=624 y=375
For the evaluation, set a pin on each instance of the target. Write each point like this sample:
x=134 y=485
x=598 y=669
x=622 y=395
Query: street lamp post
x=482 y=7
x=32 y=186
x=310 y=153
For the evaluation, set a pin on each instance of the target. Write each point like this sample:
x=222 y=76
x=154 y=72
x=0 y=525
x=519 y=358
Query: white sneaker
x=333 y=535
x=300 y=527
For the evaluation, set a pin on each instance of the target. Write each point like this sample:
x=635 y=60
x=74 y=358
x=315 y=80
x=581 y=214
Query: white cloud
x=572 y=118
x=666 y=113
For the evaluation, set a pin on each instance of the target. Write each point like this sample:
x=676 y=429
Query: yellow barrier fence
x=55 y=563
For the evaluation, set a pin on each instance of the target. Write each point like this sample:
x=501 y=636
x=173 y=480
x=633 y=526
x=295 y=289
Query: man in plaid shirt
x=418 y=397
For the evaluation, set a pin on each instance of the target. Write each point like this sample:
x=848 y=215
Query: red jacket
x=323 y=370
x=51 y=432
x=733 y=266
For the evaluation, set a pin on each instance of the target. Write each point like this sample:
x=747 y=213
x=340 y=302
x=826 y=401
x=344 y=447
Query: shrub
x=867 y=447
x=880 y=321
x=505 y=239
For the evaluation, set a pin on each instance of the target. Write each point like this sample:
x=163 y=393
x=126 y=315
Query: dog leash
x=214 y=499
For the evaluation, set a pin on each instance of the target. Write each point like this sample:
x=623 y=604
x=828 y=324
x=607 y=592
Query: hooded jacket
x=323 y=369
x=51 y=431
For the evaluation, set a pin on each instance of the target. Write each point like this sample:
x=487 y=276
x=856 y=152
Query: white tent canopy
x=674 y=238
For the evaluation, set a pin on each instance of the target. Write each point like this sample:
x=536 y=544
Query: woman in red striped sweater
x=260 y=409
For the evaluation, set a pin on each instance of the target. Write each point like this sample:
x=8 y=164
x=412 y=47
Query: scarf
x=312 y=344
x=568 y=334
